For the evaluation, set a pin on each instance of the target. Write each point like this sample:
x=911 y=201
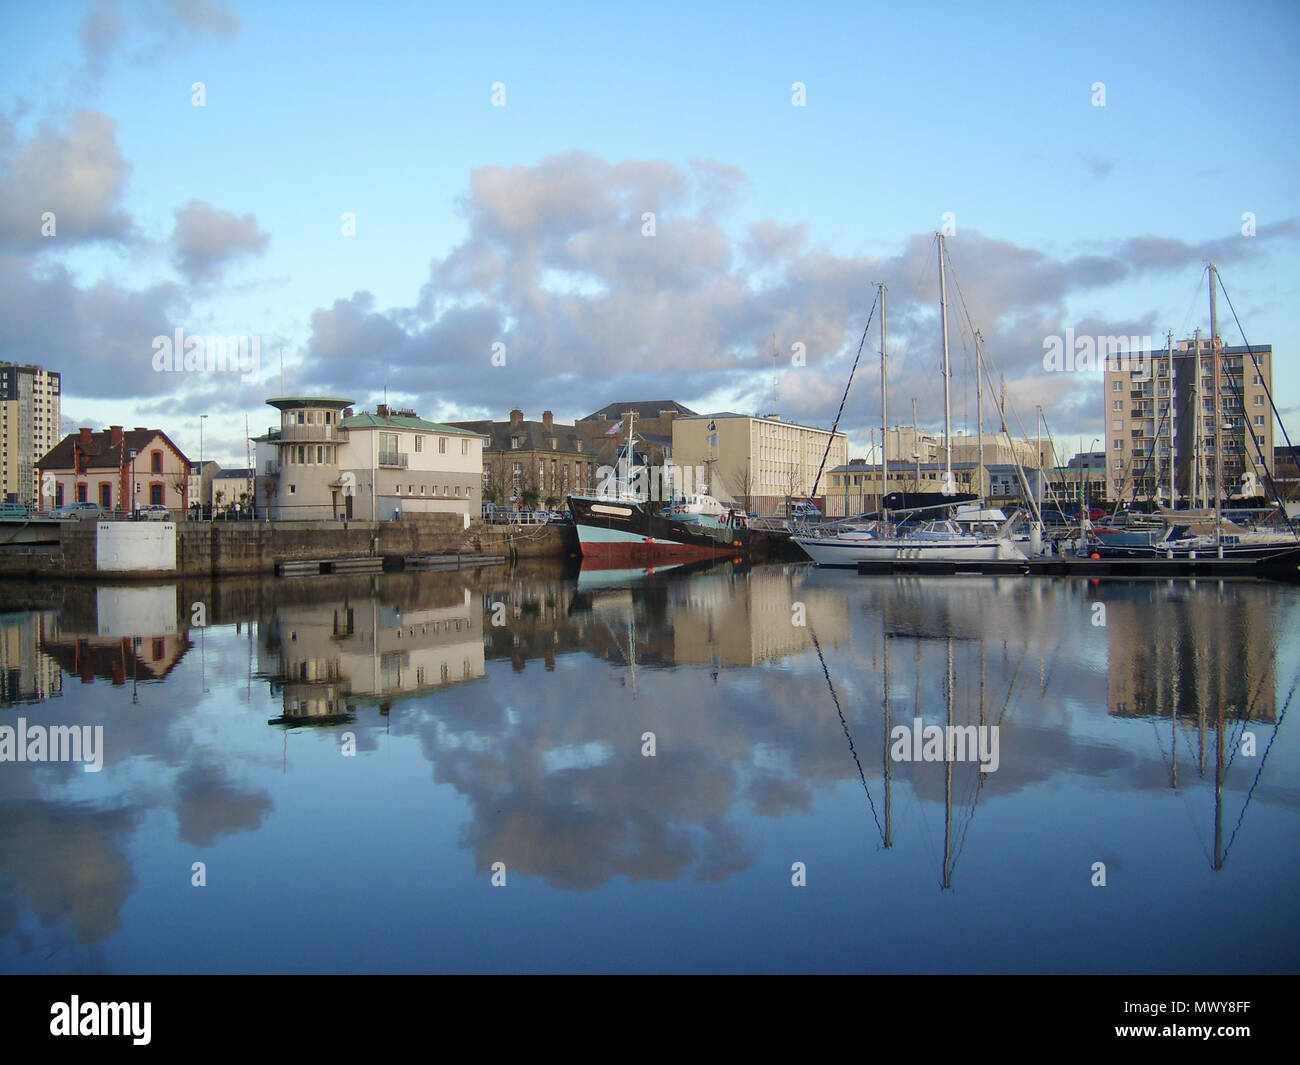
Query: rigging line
x=830 y=439
x=1185 y=328
x=852 y=750
x=1264 y=758
x=1267 y=392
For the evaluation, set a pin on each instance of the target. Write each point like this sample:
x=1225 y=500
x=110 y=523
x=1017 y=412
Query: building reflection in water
x=325 y=658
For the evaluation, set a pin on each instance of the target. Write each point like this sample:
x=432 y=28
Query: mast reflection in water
x=646 y=758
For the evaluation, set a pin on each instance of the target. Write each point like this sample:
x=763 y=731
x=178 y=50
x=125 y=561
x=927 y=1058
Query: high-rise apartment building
x=29 y=427
x=1160 y=423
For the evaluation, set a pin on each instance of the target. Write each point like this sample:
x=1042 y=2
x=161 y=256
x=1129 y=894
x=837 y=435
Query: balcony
x=394 y=459
x=313 y=434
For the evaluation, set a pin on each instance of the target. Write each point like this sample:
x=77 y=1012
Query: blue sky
x=522 y=224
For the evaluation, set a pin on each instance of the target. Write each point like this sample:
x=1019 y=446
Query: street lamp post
x=201 y=418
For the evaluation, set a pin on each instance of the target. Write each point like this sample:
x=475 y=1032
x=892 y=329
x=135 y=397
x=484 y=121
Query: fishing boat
x=623 y=525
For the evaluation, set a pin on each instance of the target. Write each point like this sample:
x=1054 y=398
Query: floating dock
x=430 y=563
x=1284 y=566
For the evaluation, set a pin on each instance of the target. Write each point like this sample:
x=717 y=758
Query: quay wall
x=219 y=549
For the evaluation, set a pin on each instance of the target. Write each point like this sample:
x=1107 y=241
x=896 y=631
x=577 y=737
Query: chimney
x=114 y=435
x=85 y=437
x=516 y=418
x=548 y=420
x=381 y=410
x=141 y=429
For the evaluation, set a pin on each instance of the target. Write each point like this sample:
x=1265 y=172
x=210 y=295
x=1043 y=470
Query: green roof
x=367 y=420
x=283 y=402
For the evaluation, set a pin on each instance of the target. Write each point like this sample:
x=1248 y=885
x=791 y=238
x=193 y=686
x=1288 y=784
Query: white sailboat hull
x=850 y=550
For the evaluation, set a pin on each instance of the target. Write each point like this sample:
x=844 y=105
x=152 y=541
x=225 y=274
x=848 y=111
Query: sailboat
x=938 y=539
x=1203 y=533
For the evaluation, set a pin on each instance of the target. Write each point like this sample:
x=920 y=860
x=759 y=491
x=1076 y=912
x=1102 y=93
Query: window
x=155 y=462
x=1118 y=386
x=1119 y=445
x=320 y=454
x=293 y=488
x=419 y=444
x=1118 y=405
x=442 y=445
x=464 y=447
x=1259 y=401
x=422 y=489
x=458 y=489
x=1259 y=421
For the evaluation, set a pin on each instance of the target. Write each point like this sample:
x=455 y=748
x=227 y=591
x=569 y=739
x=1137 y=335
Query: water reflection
x=514 y=706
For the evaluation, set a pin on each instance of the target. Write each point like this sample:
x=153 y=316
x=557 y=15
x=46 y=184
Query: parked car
x=153 y=512
x=13 y=510
x=79 y=511
x=802 y=510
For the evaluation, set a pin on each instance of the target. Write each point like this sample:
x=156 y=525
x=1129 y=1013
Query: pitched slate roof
x=99 y=454
x=366 y=420
x=534 y=436
x=649 y=409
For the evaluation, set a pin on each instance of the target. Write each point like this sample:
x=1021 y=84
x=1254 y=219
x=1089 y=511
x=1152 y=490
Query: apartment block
x=1160 y=423
x=762 y=461
x=29 y=427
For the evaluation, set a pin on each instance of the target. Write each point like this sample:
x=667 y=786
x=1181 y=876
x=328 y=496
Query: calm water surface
x=503 y=725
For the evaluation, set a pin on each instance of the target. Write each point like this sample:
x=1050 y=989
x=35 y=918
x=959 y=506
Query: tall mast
x=979 y=412
x=1169 y=415
x=884 y=409
x=1197 y=443
x=916 y=445
x=948 y=485
x=1218 y=419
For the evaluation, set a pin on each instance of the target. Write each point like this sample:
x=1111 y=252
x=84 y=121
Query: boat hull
x=832 y=551
x=627 y=530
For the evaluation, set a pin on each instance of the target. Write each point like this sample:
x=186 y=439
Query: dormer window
x=514 y=442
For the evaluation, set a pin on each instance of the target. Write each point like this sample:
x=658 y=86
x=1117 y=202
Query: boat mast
x=627 y=486
x=1169 y=416
x=1197 y=444
x=1218 y=420
x=884 y=410
x=979 y=412
x=916 y=445
x=948 y=487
